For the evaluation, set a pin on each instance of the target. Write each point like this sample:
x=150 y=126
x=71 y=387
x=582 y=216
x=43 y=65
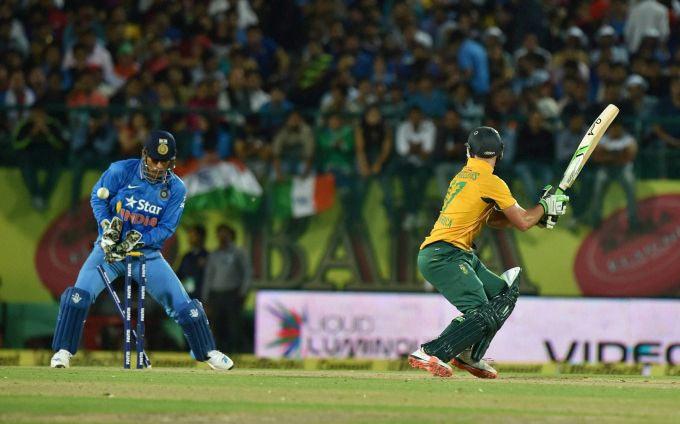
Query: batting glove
x=554 y=201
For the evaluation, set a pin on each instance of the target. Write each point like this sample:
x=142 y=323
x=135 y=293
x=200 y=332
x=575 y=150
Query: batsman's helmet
x=485 y=142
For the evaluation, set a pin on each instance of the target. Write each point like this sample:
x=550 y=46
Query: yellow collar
x=480 y=165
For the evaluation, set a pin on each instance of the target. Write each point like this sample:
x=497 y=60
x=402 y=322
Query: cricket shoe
x=219 y=361
x=419 y=359
x=479 y=369
x=61 y=359
x=439 y=368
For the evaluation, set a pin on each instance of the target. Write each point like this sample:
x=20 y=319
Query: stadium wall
x=41 y=252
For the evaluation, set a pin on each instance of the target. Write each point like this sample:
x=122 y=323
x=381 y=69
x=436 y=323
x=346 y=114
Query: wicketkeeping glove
x=131 y=242
x=111 y=233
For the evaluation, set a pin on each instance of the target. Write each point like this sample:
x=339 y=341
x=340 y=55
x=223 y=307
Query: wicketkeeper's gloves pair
x=113 y=249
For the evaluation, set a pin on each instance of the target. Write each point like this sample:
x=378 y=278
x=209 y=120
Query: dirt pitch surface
x=96 y=395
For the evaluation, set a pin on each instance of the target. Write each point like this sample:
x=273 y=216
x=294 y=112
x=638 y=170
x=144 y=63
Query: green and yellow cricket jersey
x=471 y=196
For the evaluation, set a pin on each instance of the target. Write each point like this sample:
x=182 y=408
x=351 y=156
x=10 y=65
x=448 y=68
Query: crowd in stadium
x=359 y=88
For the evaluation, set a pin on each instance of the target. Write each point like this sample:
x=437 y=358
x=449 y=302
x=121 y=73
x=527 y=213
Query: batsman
x=137 y=204
x=447 y=258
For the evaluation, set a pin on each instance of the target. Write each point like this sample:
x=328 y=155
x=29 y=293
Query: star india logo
x=290 y=325
x=130 y=202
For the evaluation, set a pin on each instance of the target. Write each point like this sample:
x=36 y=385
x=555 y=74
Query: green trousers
x=459 y=275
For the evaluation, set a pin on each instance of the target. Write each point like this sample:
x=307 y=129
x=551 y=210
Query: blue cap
x=161 y=145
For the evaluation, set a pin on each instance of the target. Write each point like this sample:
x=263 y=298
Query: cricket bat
x=584 y=150
x=588 y=145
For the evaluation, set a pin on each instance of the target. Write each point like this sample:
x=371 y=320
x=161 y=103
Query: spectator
x=500 y=62
x=651 y=47
x=225 y=286
x=212 y=139
x=566 y=142
x=667 y=131
x=273 y=113
x=574 y=93
x=96 y=54
x=472 y=60
x=237 y=95
x=645 y=15
x=395 y=108
x=270 y=57
x=126 y=66
x=469 y=110
x=40 y=146
x=133 y=135
x=374 y=146
x=617 y=16
x=258 y=97
x=337 y=101
x=614 y=158
x=13 y=36
x=428 y=98
x=312 y=75
x=449 y=152
x=37 y=82
x=637 y=100
x=52 y=59
x=363 y=96
x=293 y=148
x=531 y=50
x=383 y=71
x=204 y=102
x=539 y=95
x=415 y=142
x=607 y=47
x=336 y=154
x=93 y=145
x=18 y=98
x=535 y=155
x=253 y=148
x=575 y=44
x=53 y=97
x=86 y=93
x=192 y=267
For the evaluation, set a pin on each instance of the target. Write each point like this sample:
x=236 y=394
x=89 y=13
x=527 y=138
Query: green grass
x=84 y=395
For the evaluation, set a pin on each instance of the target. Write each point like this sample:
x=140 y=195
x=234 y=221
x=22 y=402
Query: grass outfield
x=95 y=395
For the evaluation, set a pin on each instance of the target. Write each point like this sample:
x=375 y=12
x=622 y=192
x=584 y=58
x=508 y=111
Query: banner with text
x=390 y=325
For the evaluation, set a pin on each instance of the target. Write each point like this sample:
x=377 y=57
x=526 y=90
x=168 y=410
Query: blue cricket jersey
x=152 y=209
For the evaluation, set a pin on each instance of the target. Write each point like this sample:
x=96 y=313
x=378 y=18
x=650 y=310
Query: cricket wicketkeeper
x=137 y=204
x=448 y=261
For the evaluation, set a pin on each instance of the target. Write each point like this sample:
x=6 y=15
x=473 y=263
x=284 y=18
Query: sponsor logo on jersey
x=138 y=218
x=142 y=205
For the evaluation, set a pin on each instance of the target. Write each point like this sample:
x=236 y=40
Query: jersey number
x=454 y=188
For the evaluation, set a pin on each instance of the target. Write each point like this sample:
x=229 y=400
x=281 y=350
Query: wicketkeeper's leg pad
x=73 y=308
x=471 y=328
x=194 y=323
